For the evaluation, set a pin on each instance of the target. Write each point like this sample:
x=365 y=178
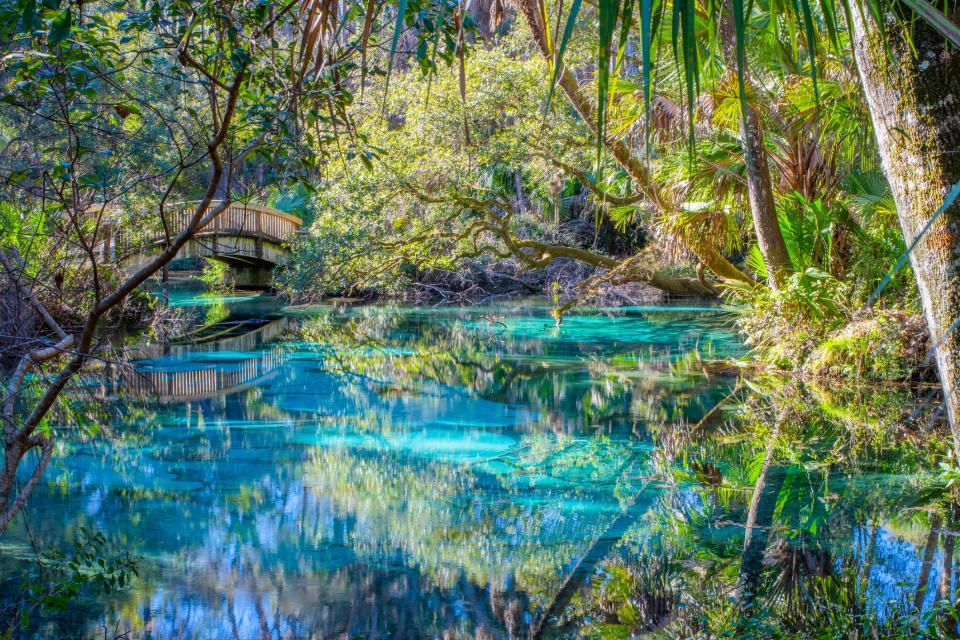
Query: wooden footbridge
x=250 y=238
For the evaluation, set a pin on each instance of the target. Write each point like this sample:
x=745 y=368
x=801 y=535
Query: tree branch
x=585 y=180
x=46 y=452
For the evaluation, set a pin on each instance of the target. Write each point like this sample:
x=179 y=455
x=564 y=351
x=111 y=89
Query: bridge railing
x=182 y=385
x=238 y=219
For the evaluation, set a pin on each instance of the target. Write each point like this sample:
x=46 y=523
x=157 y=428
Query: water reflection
x=374 y=471
x=212 y=361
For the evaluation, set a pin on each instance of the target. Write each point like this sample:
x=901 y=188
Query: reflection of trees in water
x=770 y=523
x=300 y=521
x=281 y=557
x=366 y=529
x=453 y=522
x=577 y=387
x=392 y=600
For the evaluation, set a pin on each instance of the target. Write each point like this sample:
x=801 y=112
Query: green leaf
x=626 y=21
x=646 y=26
x=608 y=12
x=60 y=27
x=564 y=39
x=809 y=31
x=685 y=14
x=830 y=20
x=397 y=28
x=433 y=58
x=29 y=16
x=738 y=22
x=756 y=263
x=932 y=16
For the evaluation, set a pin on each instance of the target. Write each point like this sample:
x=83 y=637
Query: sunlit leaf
x=562 y=47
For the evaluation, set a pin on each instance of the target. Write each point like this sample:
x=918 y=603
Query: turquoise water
x=376 y=471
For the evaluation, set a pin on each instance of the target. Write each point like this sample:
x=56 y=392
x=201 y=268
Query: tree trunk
x=763 y=504
x=945 y=583
x=945 y=591
x=586 y=566
x=759 y=183
x=914 y=102
x=223 y=187
x=703 y=248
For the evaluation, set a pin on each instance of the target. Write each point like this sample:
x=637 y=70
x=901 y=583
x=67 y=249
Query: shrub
x=784 y=326
x=216 y=276
x=882 y=346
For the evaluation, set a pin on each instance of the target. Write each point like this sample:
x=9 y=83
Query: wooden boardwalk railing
x=195 y=380
x=194 y=384
x=247 y=219
x=240 y=221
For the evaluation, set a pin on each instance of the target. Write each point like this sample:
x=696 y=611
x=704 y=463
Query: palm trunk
x=944 y=585
x=759 y=184
x=586 y=566
x=914 y=102
x=763 y=504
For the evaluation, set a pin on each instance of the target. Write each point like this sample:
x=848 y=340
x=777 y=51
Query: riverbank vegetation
x=483 y=183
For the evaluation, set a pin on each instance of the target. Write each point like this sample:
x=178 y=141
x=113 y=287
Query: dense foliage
x=484 y=169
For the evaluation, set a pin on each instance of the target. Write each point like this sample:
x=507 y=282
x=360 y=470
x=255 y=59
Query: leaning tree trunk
x=763 y=504
x=928 y=553
x=759 y=184
x=914 y=101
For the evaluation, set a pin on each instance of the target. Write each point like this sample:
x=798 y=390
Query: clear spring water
x=374 y=471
